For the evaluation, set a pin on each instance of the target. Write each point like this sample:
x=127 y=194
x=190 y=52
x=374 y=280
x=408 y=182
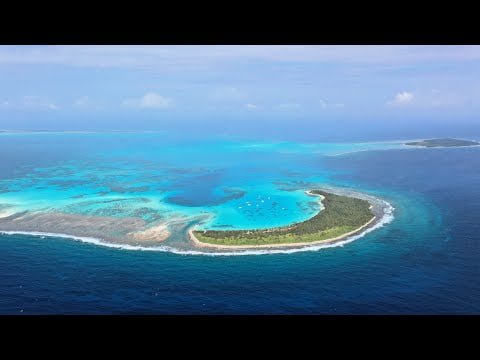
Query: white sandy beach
x=286 y=245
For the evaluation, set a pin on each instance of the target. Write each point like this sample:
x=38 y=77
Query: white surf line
x=386 y=218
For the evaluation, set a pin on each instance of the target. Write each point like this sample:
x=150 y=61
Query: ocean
x=423 y=260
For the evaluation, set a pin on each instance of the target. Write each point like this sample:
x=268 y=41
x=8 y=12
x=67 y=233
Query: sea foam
x=386 y=218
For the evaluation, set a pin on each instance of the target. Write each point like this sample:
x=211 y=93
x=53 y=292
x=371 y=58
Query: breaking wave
x=386 y=218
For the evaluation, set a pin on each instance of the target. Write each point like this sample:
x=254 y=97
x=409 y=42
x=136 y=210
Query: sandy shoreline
x=239 y=247
x=201 y=244
x=135 y=233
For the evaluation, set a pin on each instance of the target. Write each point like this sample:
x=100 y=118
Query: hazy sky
x=129 y=84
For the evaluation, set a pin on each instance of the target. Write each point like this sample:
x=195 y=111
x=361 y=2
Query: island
x=443 y=143
x=342 y=216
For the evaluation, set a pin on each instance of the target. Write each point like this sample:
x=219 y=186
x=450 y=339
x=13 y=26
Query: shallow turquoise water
x=424 y=261
x=239 y=184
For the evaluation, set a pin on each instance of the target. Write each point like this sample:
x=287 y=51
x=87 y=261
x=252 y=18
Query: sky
x=157 y=87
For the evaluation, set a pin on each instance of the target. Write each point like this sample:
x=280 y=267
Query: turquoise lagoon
x=217 y=183
x=424 y=261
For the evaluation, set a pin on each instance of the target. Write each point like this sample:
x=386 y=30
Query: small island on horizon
x=446 y=142
x=341 y=217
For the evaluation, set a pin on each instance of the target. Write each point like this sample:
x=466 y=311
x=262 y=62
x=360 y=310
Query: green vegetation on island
x=443 y=143
x=341 y=215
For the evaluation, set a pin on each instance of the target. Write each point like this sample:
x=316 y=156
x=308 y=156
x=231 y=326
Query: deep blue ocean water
x=426 y=261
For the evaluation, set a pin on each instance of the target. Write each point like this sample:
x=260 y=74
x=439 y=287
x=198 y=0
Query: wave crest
x=386 y=218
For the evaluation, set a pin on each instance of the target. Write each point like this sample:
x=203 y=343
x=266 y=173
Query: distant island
x=341 y=217
x=443 y=143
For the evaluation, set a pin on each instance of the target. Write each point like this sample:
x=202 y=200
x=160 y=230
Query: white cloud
x=251 y=106
x=326 y=105
x=150 y=100
x=30 y=103
x=428 y=99
x=402 y=98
